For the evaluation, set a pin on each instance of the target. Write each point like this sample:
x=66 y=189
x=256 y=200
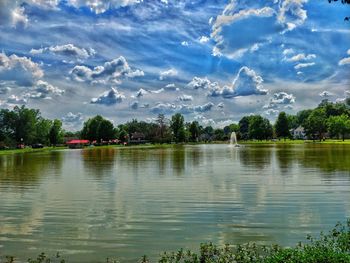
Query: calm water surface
x=98 y=203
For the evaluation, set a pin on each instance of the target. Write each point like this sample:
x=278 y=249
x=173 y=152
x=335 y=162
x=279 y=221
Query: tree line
x=26 y=126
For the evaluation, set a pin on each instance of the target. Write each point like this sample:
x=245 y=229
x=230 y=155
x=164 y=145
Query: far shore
x=149 y=146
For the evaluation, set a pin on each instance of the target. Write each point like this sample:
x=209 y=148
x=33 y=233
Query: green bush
x=333 y=247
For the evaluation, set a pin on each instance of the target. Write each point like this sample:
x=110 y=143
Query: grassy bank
x=333 y=247
x=295 y=142
x=29 y=150
x=155 y=146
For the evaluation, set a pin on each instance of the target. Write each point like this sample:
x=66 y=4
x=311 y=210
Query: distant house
x=76 y=144
x=137 y=138
x=298 y=133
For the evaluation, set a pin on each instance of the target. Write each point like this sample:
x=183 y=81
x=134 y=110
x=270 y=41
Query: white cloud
x=184 y=43
x=68 y=50
x=345 y=61
x=204 y=39
x=13 y=99
x=292 y=14
x=99 y=6
x=288 y=51
x=326 y=94
x=168 y=74
x=42 y=90
x=168 y=108
x=301 y=57
x=108 y=98
x=111 y=71
x=171 y=86
x=140 y=93
x=280 y=98
x=221 y=105
x=304 y=65
x=271 y=112
x=185 y=97
x=22 y=70
x=72 y=118
x=202 y=83
x=12 y=14
x=246 y=83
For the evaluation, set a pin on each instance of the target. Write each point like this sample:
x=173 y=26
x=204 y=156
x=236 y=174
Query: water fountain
x=233 y=140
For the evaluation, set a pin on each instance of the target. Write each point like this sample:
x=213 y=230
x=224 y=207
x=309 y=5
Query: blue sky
x=213 y=61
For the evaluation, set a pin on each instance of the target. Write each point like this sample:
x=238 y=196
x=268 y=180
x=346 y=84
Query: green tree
x=123 y=135
x=244 y=127
x=257 y=127
x=42 y=132
x=91 y=128
x=178 y=127
x=194 y=130
x=339 y=125
x=302 y=117
x=105 y=131
x=315 y=124
x=268 y=129
x=292 y=121
x=24 y=123
x=56 y=133
x=282 y=126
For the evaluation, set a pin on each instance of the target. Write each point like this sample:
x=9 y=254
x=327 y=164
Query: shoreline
x=153 y=146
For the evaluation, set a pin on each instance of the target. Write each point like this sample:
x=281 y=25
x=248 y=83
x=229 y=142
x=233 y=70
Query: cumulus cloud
x=326 y=94
x=292 y=13
x=202 y=83
x=272 y=112
x=171 y=86
x=22 y=70
x=204 y=39
x=168 y=74
x=68 y=50
x=345 y=61
x=246 y=83
x=71 y=117
x=13 y=99
x=300 y=57
x=43 y=90
x=167 y=108
x=185 y=97
x=140 y=93
x=111 y=71
x=280 y=98
x=108 y=98
x=157 y=91
x=244 y=21
x=11 y=13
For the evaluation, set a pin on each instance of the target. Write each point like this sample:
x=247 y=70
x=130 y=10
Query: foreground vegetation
x=333 y=247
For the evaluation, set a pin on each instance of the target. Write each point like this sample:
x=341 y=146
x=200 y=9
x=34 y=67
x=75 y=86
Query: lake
x=95 y=203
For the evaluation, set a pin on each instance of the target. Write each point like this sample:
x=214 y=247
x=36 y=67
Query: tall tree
x=178 y=127
x=282 y=126
x=56 y=133
x=244 y=127
x=194 y=131
x=91 y=128
x=257 y=127
x=105 y=131
x=339 y=125
x=24 y=124
x=315 y=124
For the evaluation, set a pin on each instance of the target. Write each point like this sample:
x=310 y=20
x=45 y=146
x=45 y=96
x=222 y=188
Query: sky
x=212 y=61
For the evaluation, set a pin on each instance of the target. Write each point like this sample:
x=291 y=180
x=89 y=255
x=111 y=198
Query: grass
x=333 y=247
x=30 y=150
x=167 y=145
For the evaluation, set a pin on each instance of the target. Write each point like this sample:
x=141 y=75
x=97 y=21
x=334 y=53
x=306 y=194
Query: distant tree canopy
x=27 y=126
